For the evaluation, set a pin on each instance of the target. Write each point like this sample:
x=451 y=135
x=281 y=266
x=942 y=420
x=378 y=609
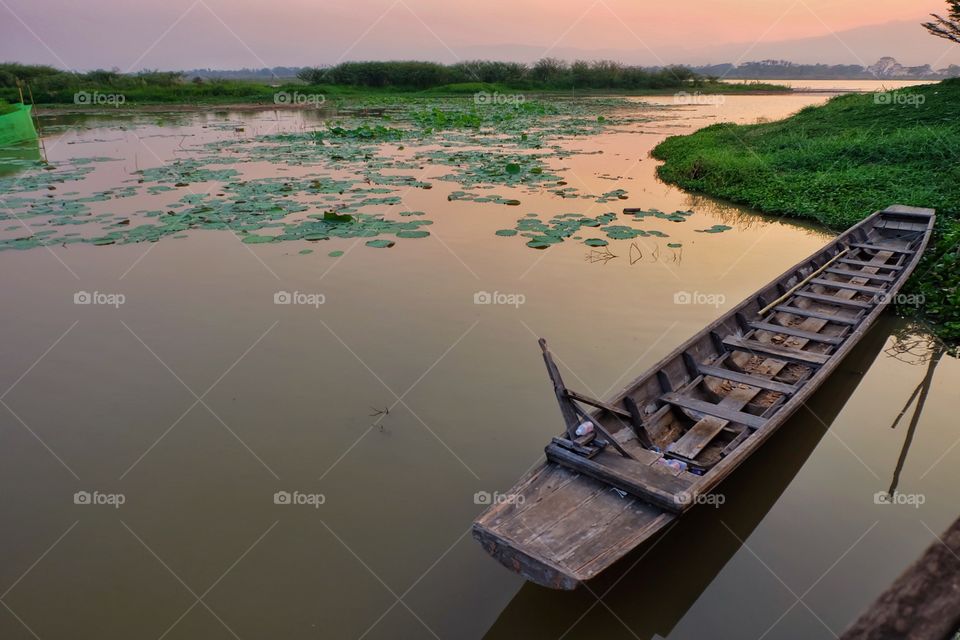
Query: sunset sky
x=178 y=34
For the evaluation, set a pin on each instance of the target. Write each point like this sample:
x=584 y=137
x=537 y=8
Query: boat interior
x=662 y=437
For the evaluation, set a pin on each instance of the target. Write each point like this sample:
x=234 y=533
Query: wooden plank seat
x=834 y=300
x=873 y=265
x=837 y=284
x=746 y=378
x=880 y=247
x=819 y=315
x=860 y=274
x=796 y=333
x=775 y=351
x=715 y=410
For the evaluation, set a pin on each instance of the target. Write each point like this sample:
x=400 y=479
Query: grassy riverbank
x=838 y=163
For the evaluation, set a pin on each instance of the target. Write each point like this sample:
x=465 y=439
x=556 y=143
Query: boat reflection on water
x=651 y=589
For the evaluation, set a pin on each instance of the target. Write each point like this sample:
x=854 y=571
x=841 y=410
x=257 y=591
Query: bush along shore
x=839 y=162
x=48 y=85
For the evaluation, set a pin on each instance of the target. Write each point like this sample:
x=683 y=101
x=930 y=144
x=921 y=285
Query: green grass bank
x=839 y=162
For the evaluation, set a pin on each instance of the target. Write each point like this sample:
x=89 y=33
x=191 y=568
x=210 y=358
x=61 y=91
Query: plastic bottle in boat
x=679 y=465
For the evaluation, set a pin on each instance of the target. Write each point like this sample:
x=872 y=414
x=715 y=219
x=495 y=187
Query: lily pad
x=255 y=239
x=380 y=244
x=717 y=228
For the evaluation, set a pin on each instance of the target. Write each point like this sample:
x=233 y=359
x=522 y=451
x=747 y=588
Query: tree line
x=548 y=73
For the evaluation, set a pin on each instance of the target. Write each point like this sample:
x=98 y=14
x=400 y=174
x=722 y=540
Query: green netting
x=17 y=125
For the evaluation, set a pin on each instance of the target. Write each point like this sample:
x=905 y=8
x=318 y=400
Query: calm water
x=843 y=85
x=198 y=399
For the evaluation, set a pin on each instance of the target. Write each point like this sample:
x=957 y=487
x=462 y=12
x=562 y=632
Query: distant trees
x=42 y=77
x=547 y=73
x=948 y=28
x=49 y=84
x=407 y=74
x=886 y=67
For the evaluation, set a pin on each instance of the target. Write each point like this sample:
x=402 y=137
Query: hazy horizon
x=193 y=34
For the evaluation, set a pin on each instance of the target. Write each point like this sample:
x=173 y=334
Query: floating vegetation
x=472 y=197
x=616 y=194
x=541 y=234
x=676 y=216
x=344 y=178
x=363 y=132
x=717 y=228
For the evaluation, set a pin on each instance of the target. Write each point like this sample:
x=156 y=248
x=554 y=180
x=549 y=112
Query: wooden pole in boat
x=802 y=282
x=569 y=408
x=566 y=406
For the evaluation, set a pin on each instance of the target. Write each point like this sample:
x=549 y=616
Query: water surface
x=198 y=399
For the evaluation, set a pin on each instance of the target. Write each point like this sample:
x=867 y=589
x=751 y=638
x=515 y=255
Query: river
x=203 y=437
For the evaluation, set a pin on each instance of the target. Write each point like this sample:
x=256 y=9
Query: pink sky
x=253 y=33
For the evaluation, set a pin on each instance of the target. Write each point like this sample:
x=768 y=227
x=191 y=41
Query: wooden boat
x=665 y=442
x=653 y=608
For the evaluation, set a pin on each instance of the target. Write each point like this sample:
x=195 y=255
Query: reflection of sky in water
x=298 y=180
x=297 y=383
